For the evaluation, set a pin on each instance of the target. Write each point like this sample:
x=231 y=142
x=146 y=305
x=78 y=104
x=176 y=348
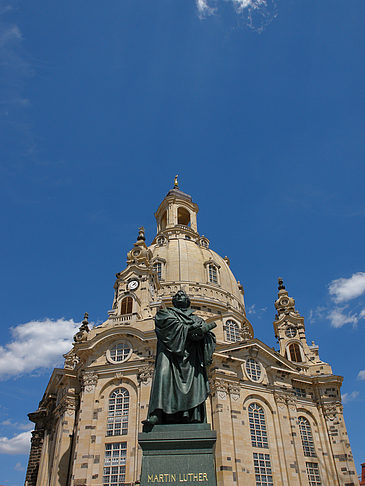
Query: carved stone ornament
x=330 y=410
x=292 y=402
x=89 y=381
x=245 y=333
x=145 y=374
x=37 y=437
x=67 y=405
x=234 y=391
x=219 y=387
x=71 y=361
x=280 y=399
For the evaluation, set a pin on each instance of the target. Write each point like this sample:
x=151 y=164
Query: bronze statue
x=185 y=347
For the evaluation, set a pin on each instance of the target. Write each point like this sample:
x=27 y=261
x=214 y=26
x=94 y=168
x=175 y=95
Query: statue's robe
x=180 y=382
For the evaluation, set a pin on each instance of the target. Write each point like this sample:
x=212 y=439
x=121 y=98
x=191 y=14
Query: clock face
x=133 y=285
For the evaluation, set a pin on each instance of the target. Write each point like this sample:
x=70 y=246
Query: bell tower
x=177 y=210
x=290 y=331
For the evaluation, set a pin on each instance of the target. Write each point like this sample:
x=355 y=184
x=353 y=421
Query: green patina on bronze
x=184 y=348
x=178 y=455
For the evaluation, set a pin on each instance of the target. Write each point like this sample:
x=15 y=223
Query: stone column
x=83 y=461
x=34 y=457
x=222 y=424
x=339 y=443
x=285 y=450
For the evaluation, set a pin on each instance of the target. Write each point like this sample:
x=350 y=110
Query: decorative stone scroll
x=71 y=361
x=234 y=391
x=285 y=399
x=331 y=409
x=219 y=387
x=89 y=381
x=145 y=374
x=245 y=333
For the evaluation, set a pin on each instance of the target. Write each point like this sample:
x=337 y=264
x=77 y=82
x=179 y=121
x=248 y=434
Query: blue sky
x=258 y=106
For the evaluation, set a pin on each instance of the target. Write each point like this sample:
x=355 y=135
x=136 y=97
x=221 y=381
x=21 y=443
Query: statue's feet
x=150 y=422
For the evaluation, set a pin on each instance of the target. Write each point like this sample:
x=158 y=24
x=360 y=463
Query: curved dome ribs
x=187 y=262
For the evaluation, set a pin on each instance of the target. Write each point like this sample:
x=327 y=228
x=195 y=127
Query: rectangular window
x=300 y=392
x=263 y=471
x=115 y=464
x=213 y=276
x=158 y=269
x=313 y=474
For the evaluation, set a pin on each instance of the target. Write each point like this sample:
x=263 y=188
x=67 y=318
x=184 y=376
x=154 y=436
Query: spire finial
x=85 y=323
x=141 y=235
x=281 y=284
x=176 y=184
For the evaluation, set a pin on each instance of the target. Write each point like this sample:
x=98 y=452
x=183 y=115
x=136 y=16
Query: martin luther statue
x=185 y=347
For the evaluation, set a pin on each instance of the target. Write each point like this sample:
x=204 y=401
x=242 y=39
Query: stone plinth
x=177 y=455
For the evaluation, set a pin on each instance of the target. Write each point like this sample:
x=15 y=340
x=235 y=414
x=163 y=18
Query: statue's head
x=181 y=300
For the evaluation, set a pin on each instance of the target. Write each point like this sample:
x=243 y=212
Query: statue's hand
x=194 y=327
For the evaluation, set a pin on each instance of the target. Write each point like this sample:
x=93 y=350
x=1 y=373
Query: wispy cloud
x=36 y=345
x=257 y=311
x=345 y=289
x=15 y=70
x=342 y=291
x=361 y=375
x=204 y=10
x=349 y=397
x=16 y=425
x=19 y=444
x=338 y=317
x=257 y=14
x=19 y=467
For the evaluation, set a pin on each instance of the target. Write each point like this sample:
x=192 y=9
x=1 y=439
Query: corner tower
x=290 y=332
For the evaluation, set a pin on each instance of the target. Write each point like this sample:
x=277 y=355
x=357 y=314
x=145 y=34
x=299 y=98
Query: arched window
x=183 y=216
x=164 y=221
x=127 y=305
x=213 y=274
x=294 y=353
x=232 y=331
x=118 y=412
x=307 y=437
x=256 y=420
x=158 y=269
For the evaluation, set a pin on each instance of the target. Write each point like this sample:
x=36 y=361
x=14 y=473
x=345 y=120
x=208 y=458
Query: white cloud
x=361 y=375
x=17 y=425
x=36 y=345
x=338 y=318
x=349 y=397
x=19 y=467
x=257 y=14
x=240 y=5
x=204 y=9
x=20 y=444
x=345 y=289
x=9 y=34
x=251 y=309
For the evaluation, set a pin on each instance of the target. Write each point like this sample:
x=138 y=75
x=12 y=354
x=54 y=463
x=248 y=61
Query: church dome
x=183 y=259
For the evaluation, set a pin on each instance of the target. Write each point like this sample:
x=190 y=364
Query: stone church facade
x=277 y=414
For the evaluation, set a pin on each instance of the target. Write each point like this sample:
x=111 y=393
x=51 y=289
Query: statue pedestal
x=178 y=454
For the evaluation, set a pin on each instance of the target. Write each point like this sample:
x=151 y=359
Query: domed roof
x=187 y=262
